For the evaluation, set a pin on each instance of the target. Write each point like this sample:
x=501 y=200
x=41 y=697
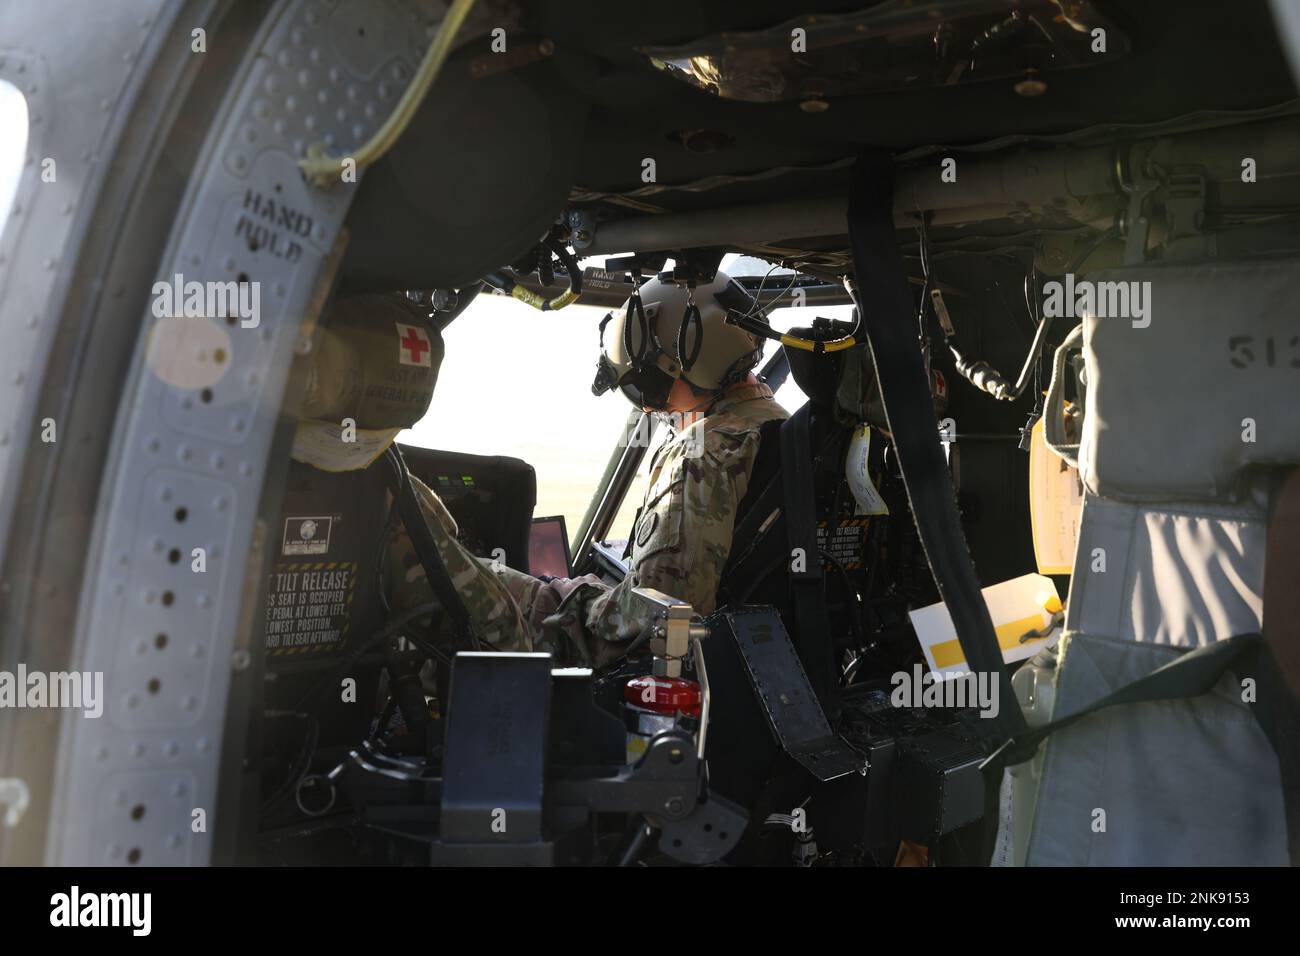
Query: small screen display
x=548 y=548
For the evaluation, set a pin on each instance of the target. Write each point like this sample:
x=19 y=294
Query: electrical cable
x=755 y=327
x=979 y=372
x=505 y=283
x=383 y=634
x=320 y=169
x=305 y=754
x=855 y=599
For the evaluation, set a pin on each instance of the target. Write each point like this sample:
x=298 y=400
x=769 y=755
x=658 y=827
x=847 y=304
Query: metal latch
x=672 y=624
x=1184 y=197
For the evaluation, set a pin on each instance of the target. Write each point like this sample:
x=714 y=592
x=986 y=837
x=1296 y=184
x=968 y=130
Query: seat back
x=1185 y=408
x=370 y=371
x=492 y=498
x=761 y=564
x=323 y=594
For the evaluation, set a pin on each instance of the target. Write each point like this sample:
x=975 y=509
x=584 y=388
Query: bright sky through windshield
x=517 y=382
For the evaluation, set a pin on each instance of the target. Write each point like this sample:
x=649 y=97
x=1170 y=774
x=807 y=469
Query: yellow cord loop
x=322 y=170
x=811 y=345
x=529 y=297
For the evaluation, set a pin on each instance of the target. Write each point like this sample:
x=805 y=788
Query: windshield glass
x=560 y=428
x=500 y=350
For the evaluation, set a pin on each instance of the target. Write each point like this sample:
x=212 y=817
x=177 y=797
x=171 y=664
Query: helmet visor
x=646 y=386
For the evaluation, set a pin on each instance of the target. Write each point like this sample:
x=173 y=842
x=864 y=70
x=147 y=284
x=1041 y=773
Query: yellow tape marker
x=948 y=653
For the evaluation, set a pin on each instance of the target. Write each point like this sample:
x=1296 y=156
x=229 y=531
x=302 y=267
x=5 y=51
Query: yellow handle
x=810 y=345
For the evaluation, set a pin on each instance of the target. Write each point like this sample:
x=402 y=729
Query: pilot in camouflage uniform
x=681 y=540
x=697 y=479
x=682 y=536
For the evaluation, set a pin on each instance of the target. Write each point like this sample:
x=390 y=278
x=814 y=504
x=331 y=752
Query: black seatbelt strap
x=807 y=580
x=887 y=311
x=426 y=549
x=751 y=532
x=758 y=503
x=1189 y=675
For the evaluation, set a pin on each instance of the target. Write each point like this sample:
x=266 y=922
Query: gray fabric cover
x=1189 y=782
x=1165 y=403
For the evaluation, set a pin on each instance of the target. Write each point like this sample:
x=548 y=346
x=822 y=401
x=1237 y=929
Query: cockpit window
x=13 y=144
x=517 y=382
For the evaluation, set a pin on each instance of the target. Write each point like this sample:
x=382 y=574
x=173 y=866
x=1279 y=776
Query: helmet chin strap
x=704 y=406
x=674 y=417
x=713 y=396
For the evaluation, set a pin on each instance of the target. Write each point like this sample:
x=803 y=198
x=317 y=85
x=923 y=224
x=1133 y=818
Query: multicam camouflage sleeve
x=553 y=612
x=683 y=535
x=496 y=616
x=681 y=542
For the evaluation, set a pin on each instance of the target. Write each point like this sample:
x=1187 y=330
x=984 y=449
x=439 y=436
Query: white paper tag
x=1018 y=607
x=321 y=445
x=858 y=474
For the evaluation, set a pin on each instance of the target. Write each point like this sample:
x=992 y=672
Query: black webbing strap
x=807 y=580
x=762 y=497
x=426 y=549
x=750 y=560
x=888 y=311
x=1189 y=675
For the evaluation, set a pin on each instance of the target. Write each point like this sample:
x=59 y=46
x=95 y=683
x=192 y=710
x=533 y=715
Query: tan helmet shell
x=725 y=352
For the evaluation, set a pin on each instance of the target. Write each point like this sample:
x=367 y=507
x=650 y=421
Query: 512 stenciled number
x=1250 y=350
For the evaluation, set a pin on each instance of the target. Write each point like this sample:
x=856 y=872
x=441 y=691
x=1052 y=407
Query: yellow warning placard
x=307 y=605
